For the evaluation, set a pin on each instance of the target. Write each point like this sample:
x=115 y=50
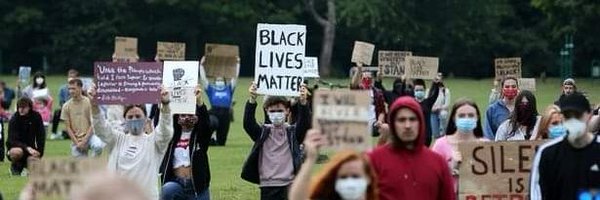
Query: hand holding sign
x=164 y=96
x=199 y=95
x=313 y=141
x=303 y=94
x=252 y=91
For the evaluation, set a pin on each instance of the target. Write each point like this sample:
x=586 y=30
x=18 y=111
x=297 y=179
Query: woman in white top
x=439 y=112
x=131 y=152
x=523 y=122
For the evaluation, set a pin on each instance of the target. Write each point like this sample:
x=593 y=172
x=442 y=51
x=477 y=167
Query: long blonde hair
x=550 y=111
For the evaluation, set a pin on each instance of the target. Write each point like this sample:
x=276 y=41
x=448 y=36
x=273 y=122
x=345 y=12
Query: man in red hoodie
x=406 y=168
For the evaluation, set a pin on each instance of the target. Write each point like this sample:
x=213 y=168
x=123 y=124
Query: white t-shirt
x=502 y=134
x=182 y=151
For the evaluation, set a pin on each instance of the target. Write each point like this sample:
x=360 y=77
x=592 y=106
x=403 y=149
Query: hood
x=398 y=86
x=412 y=104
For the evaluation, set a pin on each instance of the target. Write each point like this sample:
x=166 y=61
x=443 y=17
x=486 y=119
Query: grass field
x=226 y=162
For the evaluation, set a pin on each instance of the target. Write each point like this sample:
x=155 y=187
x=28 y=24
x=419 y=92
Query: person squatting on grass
x=275 y=156
x=131 y=152
x=26 y=136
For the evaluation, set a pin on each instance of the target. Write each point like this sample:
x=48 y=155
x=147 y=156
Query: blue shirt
x=496 y=113
x=9 y=95
x=220 y=98
x=63 y=94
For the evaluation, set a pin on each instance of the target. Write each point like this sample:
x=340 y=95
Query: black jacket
x=27 y=131
x=198 y=152
x=260 y=133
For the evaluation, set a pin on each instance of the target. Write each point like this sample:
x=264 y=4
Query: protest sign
x=279 y=58
x=24 y=75
x=343 y=118
x=53 y=178
x=128 y=83
x=364 y=69
x=362 y=53
x=418 y=67
x=508 y=67
x=311 y=67
x=221 y=60
x=87 y=83
x=496 y=170
x=181 y=79
x=126 y=47
x=170 y=51
x=527 y=84
x=392 y=62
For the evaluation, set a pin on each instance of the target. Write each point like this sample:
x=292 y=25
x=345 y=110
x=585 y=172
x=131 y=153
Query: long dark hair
x=516 y=118
x=35 y=85
x=451 y=128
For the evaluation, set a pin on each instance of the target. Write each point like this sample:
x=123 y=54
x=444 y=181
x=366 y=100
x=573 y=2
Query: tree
x=328 y=23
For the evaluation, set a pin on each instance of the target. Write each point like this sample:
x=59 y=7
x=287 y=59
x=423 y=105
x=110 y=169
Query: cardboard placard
x=53 y=178
x=362 y=52
x=126 y=47
x=508 y=67
x=494 y=170
x=364 y=69
x=392 y=62
x=527 y=84
x=311 y=67
x=24 y=75
x=220 y=60
x=170 y=50
x=181 y=79
x=342 y=116
x=280 y=50
x=419 y=67
x=128 y=83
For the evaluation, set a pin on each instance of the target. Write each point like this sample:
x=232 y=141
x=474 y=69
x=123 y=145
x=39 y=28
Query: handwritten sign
x=126 y=47
x=508 y=67
x=418 y=67
x=87 y=83
x=221 y=60
x=392 y=62
x=311 y=67
x=128 y=83
x=170 y=51
x=181 y=79
x=362 y=52
x=279 y=59
x=527 y=84
x=496 y=170
x=53 y=178
x=364 y=69
x=24 y=75
x=342 y=116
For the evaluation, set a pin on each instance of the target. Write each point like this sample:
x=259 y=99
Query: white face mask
x=39 y=80
x=220 y=84
x=351 y=188
x=575 y=128
x=277 y=118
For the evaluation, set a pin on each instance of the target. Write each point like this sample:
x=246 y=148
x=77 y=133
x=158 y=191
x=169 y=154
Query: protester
x=568 y=166
x=405 y=167
x=439 y=112
x=26 y=136
x=220 y=95
x=185 y=169
x=275 y=156
x=39 y=93
x=464 y=126
x=568 y=87
x=63 y=96
x=399 y=88
x=363 y=80
x=77 y=113
x=347 y=176
x=500 y=110
x=427 y=102
x=523 y=122
x=132 y=153
x=551 y=124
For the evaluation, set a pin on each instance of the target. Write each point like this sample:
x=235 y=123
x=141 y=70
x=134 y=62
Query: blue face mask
x=465 y=125
x=135 y=126
x=556 y=131
x=420 y=94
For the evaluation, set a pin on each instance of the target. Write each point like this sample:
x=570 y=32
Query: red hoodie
x=411 y=174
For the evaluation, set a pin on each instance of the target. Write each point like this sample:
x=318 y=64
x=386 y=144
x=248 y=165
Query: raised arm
x=203 y=78
x=105 y=132
x=237 y=74
x=164 y=131
x=203 y=124
x=250 y=126
x=299 y=189
x=303 y=122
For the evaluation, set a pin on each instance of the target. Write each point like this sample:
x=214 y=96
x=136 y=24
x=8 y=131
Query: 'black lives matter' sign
x=279 y=59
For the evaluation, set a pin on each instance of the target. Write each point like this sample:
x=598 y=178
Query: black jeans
x=223 y=117
x=274 y=193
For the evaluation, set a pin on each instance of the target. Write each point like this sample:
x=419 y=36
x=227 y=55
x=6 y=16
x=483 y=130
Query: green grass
x=226 y=162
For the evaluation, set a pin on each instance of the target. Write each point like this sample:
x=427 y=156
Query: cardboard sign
x=418 y=67
x=53 y=178
x=508 y=67
x=126 y=47
x=527 y=84
x=364 y=69
x=496 y=170
x=128 y=83
x=280 y=48
x=362 y=52
x=181 y=79
x=392 y=62
x=170 y=50
x=311 y=67
x=24 y=75
x=342 y=116
x=221 y=60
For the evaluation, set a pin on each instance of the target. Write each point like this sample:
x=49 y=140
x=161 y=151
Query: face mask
x=351 y=188
x=420 y=94
x=277 y=118
x=465 y=125
x=135 y=126
x=556 y=131
x=524 y=115
x=366 y=83
x=575 y=128
x=39 y=81
x=220 y=84
x=509 y=93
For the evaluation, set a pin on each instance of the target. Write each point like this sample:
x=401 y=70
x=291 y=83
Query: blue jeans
x=437 y=125
x=182 y=189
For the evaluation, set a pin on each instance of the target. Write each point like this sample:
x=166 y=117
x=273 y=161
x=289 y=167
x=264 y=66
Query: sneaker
x=53 y=136
x=24 y=172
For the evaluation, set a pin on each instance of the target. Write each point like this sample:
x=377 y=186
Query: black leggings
x=223 y=117
x=55 y=120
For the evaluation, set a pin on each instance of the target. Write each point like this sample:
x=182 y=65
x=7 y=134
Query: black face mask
x=525 y=114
